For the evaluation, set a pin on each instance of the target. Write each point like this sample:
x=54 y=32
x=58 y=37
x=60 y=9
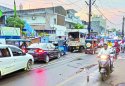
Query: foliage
x=78 y=26
x=15 y=22
x=24 y=33
x=43 y=34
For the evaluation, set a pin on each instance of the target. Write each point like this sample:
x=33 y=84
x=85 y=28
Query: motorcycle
x=113 y=53
x=105 y=67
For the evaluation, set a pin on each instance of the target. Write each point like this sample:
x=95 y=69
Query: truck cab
x=76 y=41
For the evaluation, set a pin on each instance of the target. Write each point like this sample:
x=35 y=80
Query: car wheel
x=47 y=59
x=62 y=53
x=29 y=65
x=59 y=55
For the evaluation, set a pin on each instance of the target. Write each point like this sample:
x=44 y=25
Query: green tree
x=15 y=22
x=43 y=34
x=78 y=26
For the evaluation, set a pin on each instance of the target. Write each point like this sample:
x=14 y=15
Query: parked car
x=12 y=59
x=43 y=51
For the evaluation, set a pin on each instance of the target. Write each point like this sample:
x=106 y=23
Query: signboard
x=9 y=31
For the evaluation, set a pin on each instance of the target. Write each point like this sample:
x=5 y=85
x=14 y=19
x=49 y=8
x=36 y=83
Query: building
x=98 y=24
x=47 y=20
x=71 y=19
x=3 y=9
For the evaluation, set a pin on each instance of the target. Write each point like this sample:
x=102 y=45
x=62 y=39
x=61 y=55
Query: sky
x=112 y=10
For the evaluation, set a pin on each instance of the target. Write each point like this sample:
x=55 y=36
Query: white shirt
x=104 y=52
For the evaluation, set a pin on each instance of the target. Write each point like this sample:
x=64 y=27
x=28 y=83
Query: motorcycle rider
x=106 y=51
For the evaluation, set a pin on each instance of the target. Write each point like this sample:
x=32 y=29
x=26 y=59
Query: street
x=70 y=70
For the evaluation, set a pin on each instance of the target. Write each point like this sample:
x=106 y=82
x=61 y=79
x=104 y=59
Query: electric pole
x=123 y=27
x=90 y=13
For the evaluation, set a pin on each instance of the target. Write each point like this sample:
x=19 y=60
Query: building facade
x=3 y=18
x=47 y=20
x=98 y=24
x=71 y=19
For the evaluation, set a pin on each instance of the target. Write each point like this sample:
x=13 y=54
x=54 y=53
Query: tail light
x=39 y=51
x=24 y=50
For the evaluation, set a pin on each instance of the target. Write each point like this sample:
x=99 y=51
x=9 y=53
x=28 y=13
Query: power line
x=105 y=16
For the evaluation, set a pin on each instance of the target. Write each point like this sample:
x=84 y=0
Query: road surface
x=70 y=70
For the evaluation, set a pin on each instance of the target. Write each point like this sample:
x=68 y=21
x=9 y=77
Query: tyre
x=81 y=49
x=62 y=53
x=103 y=76
x=47 y=59
x=29 y=65
x=59 y=55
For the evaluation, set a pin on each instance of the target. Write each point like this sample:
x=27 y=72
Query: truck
x=76 y=40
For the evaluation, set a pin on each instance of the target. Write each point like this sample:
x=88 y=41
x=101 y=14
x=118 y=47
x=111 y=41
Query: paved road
x=117 y=78
x=51 y=74
x=70 y=70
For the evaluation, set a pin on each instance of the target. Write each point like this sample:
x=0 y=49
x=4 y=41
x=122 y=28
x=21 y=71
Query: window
x=4 y=52
x=16 y=51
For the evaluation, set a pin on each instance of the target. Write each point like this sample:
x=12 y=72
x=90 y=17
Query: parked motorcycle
x=105 y=67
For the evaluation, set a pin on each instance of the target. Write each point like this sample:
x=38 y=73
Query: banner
x=9 y=31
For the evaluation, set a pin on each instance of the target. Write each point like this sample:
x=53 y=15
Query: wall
x=37 y=19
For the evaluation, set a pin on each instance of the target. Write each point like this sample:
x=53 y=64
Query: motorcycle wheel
x=103 y=76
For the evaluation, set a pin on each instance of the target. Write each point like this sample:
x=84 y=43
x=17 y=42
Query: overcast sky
x=113 y=10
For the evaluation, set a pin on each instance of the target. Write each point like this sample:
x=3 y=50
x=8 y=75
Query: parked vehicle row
x=13 y=58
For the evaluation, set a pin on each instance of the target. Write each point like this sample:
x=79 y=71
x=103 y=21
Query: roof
x=58 y=10
x=18 y=40
x=2 y=45
x=4 y=9
x=74 y=11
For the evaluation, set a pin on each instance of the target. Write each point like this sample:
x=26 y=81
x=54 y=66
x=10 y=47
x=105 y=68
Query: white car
x=12 y=59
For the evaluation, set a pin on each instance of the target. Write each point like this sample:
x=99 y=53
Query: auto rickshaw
x=91 y=46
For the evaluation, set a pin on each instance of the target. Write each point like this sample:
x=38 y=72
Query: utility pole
x=123 y=27
x=90 y=13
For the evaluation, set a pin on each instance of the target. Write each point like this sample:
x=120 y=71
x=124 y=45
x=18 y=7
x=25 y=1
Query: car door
x=51 y=54
x=6 y=61
x=53 y=50
x=20 y=59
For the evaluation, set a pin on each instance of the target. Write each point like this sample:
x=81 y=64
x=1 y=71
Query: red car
x=43 y=51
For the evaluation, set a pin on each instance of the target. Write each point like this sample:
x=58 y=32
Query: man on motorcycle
x=106 y=51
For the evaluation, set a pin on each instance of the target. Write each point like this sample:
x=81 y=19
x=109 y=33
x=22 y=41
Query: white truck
x=76 y=41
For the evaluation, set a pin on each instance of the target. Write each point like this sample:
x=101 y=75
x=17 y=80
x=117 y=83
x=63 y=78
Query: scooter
x=105 y=67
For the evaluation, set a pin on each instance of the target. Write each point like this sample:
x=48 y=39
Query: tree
x=15 y=22
x=78 y=26
x=43 y=34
